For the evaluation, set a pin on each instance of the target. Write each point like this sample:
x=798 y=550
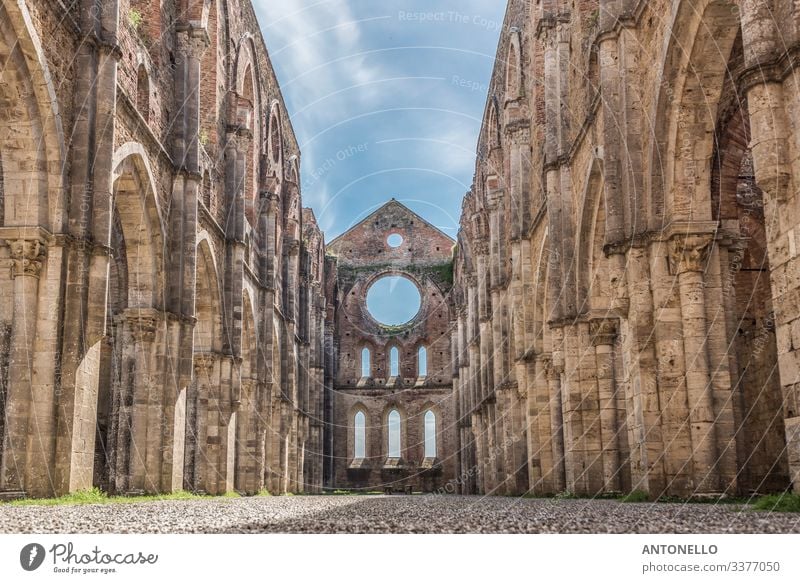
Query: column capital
x=518 y=131
x=603 y=331
x=689 y=253
x=28 y=256
x=204 y=362
x=292 y=247
x=142 y=322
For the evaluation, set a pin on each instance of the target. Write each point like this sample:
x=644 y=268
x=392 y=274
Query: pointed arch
x=695 y=66
x=422 y=361
x=208 y=303
x=590 y=240
x=394 y=429
x=366 y=362
x=141 y=223
x=34 y=164
x=360 y=434
x=513 y=83
x=430 y=428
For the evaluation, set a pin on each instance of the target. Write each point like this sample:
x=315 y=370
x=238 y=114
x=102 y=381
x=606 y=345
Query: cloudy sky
x=386 y=99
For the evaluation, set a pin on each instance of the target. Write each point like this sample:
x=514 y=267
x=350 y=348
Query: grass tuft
x=636 y=497
x=97 y=496
x=785 y=502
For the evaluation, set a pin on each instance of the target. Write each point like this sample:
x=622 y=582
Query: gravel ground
x=392 y=514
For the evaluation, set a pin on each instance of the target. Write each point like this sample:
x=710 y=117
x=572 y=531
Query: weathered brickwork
x=626 y=271
x=356 y=260
x=162 y=312
x=622 y=311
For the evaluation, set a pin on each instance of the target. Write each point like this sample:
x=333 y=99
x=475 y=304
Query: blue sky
x=386 y=98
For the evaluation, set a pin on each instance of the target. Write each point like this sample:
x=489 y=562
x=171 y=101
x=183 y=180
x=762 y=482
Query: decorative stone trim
x=28 y=256
x=689 y=253
x=603 y=331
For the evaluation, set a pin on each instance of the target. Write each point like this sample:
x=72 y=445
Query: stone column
x=139 y=355
x=27 y=256
x=603 y=334
x=688 y=258
x=564 y=469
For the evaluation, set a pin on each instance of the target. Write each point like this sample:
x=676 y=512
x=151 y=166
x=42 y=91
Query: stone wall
x=621 y=277
x=358 y=259
x=163 y=313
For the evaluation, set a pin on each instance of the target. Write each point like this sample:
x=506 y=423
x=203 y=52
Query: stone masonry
x=627 y=273
x=162 y=310
x=620 y=312
x=355 y=261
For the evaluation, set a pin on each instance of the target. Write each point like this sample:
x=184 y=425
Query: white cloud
x=318 y=45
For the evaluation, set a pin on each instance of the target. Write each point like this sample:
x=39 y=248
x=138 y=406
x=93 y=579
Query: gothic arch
x=591 y=230
x=208 y=308
x=695 y=65
x=28 y=104
x=514 y=81
x=142 y=225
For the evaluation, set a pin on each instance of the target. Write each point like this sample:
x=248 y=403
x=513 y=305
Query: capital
x=28 y=256
x=204 y=363
x=603 y=331
x=142 y=324
x=689 y=253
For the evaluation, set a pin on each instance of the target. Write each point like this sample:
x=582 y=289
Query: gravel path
x=397 y=514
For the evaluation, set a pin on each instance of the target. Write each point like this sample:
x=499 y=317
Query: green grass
x=264 y=492
x=566 y=495
x=97 y=496
x=637 y=496
x=341 y=492
x=785 y=502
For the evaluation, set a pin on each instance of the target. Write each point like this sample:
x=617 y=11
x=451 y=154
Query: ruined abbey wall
x=162 y=312
x=356 y=260
x=624 y=272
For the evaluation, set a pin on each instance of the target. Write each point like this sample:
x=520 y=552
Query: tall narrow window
x=143 y=93
x=394 y=362
x=366 y=366
x=422 y=361
x=430 y=434
x=394 y=434
x=360 y=436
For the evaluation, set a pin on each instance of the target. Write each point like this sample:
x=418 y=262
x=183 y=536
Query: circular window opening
x=394 y=241
x=393 y=300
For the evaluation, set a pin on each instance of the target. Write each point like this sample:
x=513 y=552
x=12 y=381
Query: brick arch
x=249 y=337
x=210 y=98
x=543 y=267
x=33 y=153
x=208 y=308
x=356 y=408
x=274 y=140
x=514 y=80
x=136 y=202
x=591 y=232
x=247 y=83
x=695 y=60
x=387 y=410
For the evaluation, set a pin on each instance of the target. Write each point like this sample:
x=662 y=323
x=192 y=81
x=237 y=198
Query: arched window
x=394 y=434
x=207 y=190
x=394 y=362
x=360 y=436
x=430 y=434
x=422 y=362
x=366 y=365
x=143 y=93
